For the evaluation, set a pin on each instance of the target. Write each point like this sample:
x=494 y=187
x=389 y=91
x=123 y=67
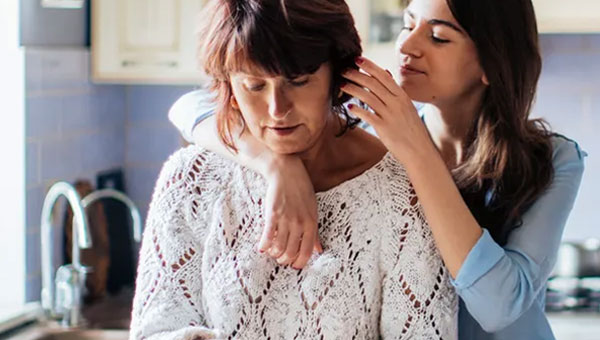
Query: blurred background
x=86 y=87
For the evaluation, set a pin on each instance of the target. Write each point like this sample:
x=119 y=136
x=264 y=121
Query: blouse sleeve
x=167 y=303
x=418 y=301
x=190 y=109
x=510 y=278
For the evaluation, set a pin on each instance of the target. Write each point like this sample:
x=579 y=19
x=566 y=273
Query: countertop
x=575 y=325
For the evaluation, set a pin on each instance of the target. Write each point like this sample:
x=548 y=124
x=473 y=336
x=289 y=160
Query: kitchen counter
x=575 y=325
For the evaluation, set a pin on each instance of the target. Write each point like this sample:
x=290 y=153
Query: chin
x=416 y=93
x=286 y=148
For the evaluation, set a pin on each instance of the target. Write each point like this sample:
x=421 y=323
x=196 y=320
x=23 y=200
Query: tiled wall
x=569 y=98
x=74 y=129
x=150 y=138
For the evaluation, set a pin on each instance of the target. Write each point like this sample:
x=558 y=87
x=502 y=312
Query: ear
x=485 y=80
x=233 y=102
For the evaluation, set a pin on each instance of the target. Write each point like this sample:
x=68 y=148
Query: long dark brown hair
x=509 y=156
x=280 y=37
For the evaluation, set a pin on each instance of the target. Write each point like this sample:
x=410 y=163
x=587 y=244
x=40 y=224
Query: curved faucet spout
x=119 y=196
x=81 y=237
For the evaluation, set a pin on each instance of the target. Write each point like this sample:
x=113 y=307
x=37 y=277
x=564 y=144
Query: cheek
x=315 y=108
x=251 y=110
x=458 y=72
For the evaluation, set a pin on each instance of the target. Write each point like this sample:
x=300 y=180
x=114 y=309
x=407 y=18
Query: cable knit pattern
x=199 y=276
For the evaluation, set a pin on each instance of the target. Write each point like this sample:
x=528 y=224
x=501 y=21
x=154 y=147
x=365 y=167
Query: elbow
x=494 y=319
x=503 y=307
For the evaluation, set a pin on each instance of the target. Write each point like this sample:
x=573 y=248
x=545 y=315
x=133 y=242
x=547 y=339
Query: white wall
x=12 y=149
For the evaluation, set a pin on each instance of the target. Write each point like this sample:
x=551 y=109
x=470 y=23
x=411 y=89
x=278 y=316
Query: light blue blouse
x=502 y=289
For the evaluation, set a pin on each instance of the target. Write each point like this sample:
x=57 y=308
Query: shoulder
x=394 y=174
x=567 y=154
x=193 y=167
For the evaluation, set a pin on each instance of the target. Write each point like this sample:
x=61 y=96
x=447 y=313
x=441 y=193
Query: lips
x=283 y=130
x=406 y=69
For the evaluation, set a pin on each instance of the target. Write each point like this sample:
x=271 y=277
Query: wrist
x=275 y=164
x=420 y=157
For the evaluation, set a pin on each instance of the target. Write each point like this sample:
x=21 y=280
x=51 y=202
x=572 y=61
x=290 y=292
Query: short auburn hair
x=280 y=37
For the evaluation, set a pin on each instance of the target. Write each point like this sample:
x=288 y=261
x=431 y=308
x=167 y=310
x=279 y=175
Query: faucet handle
x=66 y=279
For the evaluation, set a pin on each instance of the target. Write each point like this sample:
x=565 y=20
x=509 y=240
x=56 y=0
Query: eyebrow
x=436 y=22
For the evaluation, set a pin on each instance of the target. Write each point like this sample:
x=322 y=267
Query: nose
x=408 y=44
x=279 y=104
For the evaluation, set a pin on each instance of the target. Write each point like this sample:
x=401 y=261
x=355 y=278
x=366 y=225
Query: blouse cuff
x=481 y=259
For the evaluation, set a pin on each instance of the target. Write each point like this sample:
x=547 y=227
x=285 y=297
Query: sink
x=106 y=319
x=84 y=335
x=39 y=332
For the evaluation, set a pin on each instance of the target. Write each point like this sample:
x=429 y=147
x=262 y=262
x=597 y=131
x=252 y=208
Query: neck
x=449 y=124
x=321 y=156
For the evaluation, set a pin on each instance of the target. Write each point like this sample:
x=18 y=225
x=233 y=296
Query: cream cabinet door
x=572 y=16
x=144 y=41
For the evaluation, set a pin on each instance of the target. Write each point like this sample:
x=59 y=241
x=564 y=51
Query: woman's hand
x=290 y=233
x=395 y=118
x=290 y=206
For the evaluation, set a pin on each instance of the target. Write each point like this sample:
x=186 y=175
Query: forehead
x=255 y=71
x=431 y=9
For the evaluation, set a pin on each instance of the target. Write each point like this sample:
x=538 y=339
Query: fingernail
x=350 y=106
x=390 y=73
x=359 y=60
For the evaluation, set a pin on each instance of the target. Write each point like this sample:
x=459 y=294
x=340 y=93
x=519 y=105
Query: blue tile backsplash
x=75 y=128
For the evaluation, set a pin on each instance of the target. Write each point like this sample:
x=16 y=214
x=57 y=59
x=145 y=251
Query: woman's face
x=287 y=115
x=437 y=60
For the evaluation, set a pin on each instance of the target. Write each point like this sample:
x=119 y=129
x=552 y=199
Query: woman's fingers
x=291 y=210
x=268 y=233
x=365 y=96
x=380 y=74
x=370 y=83
x=306 y=250
x=318 y=248
x=291 y=248
x=371 y=118
x=280 y=241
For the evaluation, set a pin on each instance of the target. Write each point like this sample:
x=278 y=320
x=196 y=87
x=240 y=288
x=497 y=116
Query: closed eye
x=255 y=88
x=299 y=83
x=439 y=40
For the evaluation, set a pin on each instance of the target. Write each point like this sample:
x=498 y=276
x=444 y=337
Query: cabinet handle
x=135 y=63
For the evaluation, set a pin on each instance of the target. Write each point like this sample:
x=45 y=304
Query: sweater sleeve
x=418 y=301
x=167 y=303
x=499 y=284
x=190 y=109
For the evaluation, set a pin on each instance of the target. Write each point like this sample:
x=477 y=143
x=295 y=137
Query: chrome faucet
x=70 y=278
x=119 y=196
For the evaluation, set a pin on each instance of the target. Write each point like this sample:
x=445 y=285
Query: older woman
x=276 y=67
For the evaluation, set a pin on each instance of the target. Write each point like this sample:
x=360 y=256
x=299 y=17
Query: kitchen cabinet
x=144 y=41
x=574 y=16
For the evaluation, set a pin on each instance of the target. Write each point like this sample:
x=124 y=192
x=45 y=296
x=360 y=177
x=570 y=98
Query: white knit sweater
x=200 y=277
